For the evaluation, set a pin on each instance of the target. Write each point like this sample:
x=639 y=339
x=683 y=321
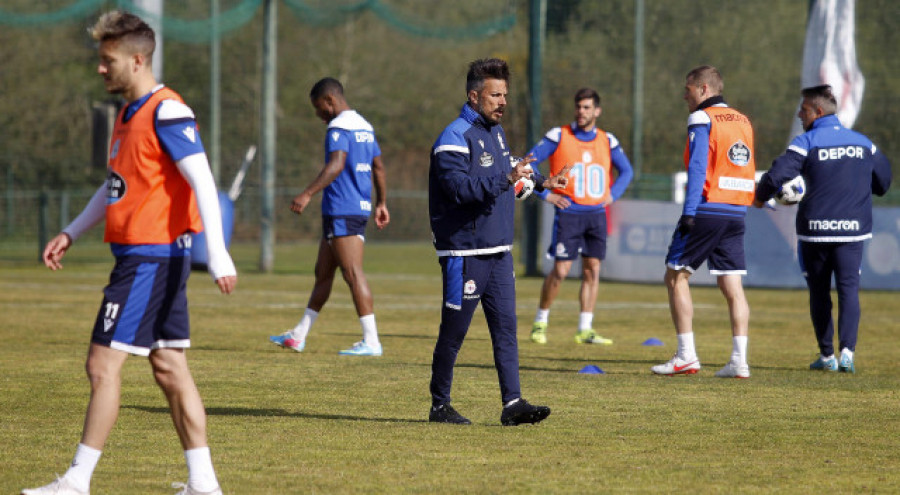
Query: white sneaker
x=61 y=486
x=677 y=366
x=187 y=490
x=734 y=370
x=361 y=348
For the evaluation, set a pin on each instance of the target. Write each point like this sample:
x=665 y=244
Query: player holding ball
x=841 y=170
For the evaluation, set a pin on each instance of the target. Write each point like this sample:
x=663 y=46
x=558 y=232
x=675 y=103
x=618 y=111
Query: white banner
x=829 y=57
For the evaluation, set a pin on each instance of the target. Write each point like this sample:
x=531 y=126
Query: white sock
x=686 y=349
x=309 y=317
x=847 y=352
x=370 y=331
x=511 y=402
x=739 y=349
x=585 y=320
x=82 y=468
x=201 y=475
x=542 y=316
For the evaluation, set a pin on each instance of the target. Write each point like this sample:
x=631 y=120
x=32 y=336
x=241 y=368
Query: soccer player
x=470 y=202
x=158 y=179
x=353 y=164
x=842 y=169
x=721 y=168
x=579 y=225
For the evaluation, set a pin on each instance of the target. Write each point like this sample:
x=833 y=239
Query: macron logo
x=335 y=136
x=190 y=133
x=840 y=225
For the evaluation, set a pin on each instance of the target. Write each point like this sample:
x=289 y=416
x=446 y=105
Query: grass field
x=317 y=422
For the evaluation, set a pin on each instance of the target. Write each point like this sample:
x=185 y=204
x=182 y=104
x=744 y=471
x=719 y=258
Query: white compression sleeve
x=195 y=169
x=91 y=215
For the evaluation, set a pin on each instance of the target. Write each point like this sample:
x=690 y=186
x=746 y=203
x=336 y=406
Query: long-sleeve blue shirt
x=695 y=203
x=549 y=144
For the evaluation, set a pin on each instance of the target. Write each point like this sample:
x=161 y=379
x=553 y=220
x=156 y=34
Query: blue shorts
x=145 y=304
x=344 y=226
x=578 y=233
x=718 y=241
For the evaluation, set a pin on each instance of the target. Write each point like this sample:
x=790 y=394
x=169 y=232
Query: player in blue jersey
x=842 y=169
x=471 y=205
x=353 y=165
x=579 y=225
x=157 y=167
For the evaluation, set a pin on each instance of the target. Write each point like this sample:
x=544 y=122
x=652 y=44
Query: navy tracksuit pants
x=489 y=279
x=819 y=261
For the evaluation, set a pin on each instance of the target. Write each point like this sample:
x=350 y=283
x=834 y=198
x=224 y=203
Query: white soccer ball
x=792 y=191
x=524 y=186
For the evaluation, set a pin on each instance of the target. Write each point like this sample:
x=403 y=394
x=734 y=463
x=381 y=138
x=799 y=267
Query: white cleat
x=61 y=486
x=677 y=366
x=734 y=370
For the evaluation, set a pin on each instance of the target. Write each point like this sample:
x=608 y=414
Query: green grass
x=316 y=422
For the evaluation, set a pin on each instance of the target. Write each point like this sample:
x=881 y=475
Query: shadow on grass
x=281 y=413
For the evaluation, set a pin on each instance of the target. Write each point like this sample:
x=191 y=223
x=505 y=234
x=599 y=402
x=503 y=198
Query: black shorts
x=578 y=233
x=344 y=226
x=718 y=241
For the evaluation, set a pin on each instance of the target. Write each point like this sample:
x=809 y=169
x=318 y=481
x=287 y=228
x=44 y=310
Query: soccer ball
x=792 y=191
x=524 y=186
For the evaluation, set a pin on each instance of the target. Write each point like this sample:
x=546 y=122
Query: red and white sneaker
x=677 y=366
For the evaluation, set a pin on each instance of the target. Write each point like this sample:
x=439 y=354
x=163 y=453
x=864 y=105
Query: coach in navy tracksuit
x=842 y=169
x=470 y=201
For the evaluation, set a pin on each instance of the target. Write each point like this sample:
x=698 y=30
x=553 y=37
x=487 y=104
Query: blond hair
x=706 y=74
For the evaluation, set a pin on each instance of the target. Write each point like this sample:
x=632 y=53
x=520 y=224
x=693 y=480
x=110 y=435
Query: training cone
x=592 y=370
x=652 y=341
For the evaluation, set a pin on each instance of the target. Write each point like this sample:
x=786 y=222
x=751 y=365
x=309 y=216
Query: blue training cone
x=652 y=341
x=592 y=370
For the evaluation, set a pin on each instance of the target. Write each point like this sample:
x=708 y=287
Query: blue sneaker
x=287 y=341
x=361 y=348
x=825 y=364
x=846 y=364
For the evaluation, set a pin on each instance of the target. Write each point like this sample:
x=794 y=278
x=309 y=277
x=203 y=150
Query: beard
x=486 y=116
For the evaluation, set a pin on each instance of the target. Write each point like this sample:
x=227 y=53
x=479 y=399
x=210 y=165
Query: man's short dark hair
x=481 y=69
x=822 y=96
x=585 y=93
x=326 y=86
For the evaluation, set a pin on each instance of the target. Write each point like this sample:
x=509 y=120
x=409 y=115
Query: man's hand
x=685 y=224
x=382 y=216
x=299 y=203
x=522 y=169
x=55 y=250
x=558 y=200
x=227 y=284
x=559 y=180
x=757 y=203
